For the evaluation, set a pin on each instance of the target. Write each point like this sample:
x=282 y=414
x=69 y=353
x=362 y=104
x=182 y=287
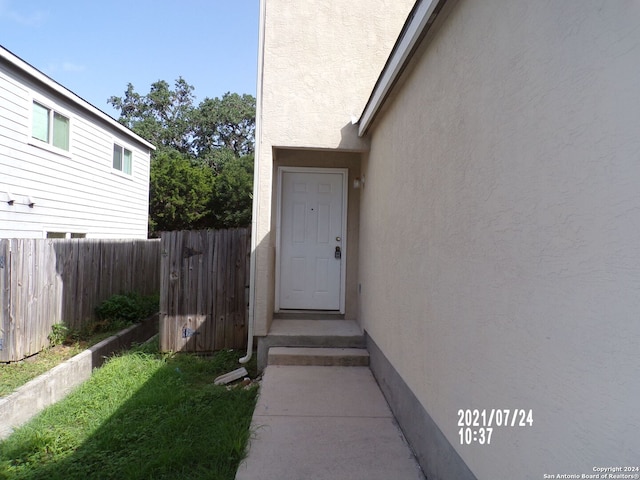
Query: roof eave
x=415 y=28
x=51 y=84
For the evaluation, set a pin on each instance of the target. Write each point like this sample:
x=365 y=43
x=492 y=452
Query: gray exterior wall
x=499 y=231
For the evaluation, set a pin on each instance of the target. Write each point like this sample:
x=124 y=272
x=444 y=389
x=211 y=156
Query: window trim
x=52 y=111
x=124 y=147
x=63 y=234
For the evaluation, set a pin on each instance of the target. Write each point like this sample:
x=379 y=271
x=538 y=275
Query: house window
x=122 y=159
x=66 y=235
x=50 y=127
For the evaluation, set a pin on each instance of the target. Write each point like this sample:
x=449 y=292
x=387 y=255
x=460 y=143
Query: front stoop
x=319 y=356
x=313 y=334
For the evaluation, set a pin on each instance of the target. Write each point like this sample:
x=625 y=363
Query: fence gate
x=204 y=279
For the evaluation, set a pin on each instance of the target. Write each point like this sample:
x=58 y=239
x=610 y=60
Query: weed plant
x=58 y=335
x=143 y=415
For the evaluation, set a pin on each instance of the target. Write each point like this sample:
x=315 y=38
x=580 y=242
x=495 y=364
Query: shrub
x=127 y=308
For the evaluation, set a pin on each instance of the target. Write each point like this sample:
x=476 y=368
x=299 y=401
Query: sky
x=96 y=47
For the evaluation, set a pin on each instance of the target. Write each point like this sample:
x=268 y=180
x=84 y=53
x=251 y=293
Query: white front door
x=312 y=246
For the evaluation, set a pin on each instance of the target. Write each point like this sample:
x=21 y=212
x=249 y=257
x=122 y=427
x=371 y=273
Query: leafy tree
x=226 y=123
x=180 y=193
x=163 y=116
x=233 y=197
x=129 y=106
x=202 y=171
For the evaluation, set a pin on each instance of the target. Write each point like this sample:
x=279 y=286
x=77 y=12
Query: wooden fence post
x=5 y=295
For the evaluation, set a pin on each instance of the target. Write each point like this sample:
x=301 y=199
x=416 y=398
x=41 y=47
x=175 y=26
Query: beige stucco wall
x=320 y=61
x=500 y=231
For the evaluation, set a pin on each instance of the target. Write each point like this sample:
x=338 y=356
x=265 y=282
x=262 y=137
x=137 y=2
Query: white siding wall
x=500 y=231
x=74 y=192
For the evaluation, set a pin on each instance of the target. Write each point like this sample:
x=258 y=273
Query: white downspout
x=256 y=186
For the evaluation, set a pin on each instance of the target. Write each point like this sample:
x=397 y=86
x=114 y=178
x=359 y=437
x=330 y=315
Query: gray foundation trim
x=437 y=457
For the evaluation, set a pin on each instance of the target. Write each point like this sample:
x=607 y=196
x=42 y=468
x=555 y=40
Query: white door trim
x=345 y=188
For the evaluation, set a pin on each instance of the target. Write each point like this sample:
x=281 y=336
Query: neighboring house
x=67 y=169
x=480 y=220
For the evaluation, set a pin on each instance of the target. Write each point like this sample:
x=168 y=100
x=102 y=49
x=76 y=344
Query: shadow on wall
x=349 y=139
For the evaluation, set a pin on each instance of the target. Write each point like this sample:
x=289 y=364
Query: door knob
x=338 y=253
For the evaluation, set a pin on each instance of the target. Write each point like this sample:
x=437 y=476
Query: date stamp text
x=477 y=425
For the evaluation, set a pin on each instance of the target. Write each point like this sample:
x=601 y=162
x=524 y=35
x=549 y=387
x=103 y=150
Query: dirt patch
x=62 y=352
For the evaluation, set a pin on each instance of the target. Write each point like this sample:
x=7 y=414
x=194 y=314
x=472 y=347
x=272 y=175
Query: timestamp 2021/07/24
x=477 y=425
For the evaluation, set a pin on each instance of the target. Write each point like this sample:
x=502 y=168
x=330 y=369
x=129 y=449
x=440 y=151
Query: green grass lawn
x=141 y=416
x=16 y=374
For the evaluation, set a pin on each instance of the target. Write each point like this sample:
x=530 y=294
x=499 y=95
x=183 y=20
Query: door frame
x=345 y=189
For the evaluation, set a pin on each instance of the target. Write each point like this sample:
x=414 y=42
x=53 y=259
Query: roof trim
x=64 y=92
x=415 y=28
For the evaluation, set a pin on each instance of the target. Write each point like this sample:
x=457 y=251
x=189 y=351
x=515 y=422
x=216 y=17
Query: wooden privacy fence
x=204 y=290
x=92 y=270
x=29 y=291
x=43 y=282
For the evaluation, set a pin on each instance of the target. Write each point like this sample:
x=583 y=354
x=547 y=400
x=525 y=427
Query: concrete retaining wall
x=52 y=386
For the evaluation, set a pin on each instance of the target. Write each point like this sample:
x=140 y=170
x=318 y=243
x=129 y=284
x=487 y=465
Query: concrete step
x=318 y=356
x=310 y=333
x=316 y=333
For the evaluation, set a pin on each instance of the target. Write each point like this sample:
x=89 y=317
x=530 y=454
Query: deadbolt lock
x=338 y=253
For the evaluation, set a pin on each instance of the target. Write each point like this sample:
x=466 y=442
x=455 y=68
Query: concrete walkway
x=325 y=423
